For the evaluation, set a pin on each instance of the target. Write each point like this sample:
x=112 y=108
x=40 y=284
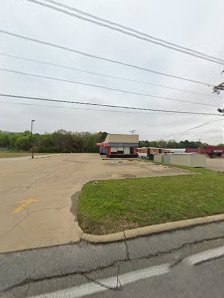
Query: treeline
x=173 y=144
x=63 y=141
x=60 y=141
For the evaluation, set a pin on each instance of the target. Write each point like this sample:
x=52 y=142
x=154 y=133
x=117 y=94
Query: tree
x=4 y=140
x=67 y=141
x=23 y=143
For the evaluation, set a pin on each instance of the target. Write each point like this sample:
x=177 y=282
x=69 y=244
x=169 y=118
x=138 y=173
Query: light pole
x=31 y=136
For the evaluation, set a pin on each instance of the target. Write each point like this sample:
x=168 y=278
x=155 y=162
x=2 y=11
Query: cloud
x=194 y=24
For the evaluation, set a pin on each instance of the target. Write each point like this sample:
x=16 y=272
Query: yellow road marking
x=24 y=204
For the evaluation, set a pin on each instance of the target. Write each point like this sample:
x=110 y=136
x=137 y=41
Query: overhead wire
x=195 y=127
x=71 y=108
x=105 y=105
x=106 y=75
x=128 y=31
x=61 y=47
x=33 y=98
x=143 y=113
x=104 y=87
x=128 y=28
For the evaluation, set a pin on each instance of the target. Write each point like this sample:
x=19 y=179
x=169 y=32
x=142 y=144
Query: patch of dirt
x=74 y=206
x=75 y=161
x=116 y=164
x=106 y=226
x=128 y=176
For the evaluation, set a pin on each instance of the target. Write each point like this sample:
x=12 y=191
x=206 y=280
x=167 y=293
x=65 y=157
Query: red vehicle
x=211 y=151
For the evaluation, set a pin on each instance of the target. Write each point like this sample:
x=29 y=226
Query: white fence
x=187 y=159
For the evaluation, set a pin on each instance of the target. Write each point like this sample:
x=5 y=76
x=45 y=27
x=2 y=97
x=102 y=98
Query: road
x=184 y=280
x=77 y=269
x=204 y=280
x=193 y=271
x=36 y=196
x=26 y=157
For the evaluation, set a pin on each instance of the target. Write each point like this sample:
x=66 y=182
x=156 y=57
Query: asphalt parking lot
x=35 y=195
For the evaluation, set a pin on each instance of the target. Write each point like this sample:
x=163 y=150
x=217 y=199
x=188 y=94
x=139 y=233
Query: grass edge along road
x=6 y=154
x=108 y=206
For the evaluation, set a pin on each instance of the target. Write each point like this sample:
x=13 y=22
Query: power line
x=128 y=28
x=195 y=127
x=128 y=31
x=46 y=43
x=104 y=75
x=104 y=105
x=84 y=109
x=70 y=108
x=103 y=87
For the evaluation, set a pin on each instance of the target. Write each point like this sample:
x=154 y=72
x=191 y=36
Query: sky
x=194 y=24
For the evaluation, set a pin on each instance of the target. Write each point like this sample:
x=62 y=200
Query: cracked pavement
x=36 y=195
x=25 y=272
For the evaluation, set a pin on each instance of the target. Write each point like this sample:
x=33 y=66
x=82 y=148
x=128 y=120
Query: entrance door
x=127 y=150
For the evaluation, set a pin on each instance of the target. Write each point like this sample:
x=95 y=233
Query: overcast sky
x=195 y=24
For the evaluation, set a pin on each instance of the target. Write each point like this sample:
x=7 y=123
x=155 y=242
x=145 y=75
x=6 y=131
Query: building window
x=120 y=150
x=113 y=149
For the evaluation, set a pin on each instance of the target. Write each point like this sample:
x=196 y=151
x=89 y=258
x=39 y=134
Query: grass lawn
x=6 y=154
x=114 y=205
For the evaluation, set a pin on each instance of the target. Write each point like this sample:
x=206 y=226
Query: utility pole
x=31 y=138
x=221 y=111
x=218 y=88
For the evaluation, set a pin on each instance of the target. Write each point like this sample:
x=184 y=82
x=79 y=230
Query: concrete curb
x=149 y=230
